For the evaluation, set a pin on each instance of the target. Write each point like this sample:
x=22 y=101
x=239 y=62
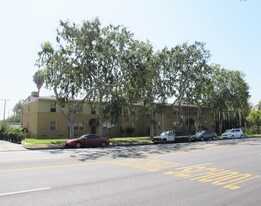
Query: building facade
x=42 y=119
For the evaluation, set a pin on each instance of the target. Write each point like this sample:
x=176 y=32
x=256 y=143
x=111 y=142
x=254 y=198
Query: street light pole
x=4 y=106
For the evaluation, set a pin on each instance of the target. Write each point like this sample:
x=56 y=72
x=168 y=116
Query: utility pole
x=4 y=106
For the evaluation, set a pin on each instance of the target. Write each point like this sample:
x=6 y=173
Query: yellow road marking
x=149 y=165
x=30 y=158
x=226 y=178
x=54 y=166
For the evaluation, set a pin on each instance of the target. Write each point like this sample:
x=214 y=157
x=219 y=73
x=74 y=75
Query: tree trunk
x=151 y=129
x=71 y=127
x=220 y=122
x=100 y=116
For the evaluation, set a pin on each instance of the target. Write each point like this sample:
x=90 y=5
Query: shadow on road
x=142 y=151
x=137 y=151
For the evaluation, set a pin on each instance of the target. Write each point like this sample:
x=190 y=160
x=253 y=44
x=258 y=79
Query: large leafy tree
x=145 y=85
x=228 y=93
x=58 y=65
x=183 y=69
x=87 y=63
x=106 y=69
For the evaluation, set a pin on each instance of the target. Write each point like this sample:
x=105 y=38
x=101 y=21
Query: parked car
x=233 y=133
x=87 y=140
x=204 y=135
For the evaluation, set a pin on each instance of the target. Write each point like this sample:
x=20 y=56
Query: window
x=93 y=111
x=133 y=125
x=78 y=109
x=52 y=125
x=109 y=126
x=92 y=136
x=78 y=126
x=53 y=107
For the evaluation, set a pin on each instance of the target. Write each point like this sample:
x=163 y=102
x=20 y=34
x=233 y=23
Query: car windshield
x=200 y=132
x=164 y=133
x=82 y=137
x=228 y=130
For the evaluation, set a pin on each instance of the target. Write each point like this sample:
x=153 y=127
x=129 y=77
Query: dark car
x=204 y=135
x=87 y=140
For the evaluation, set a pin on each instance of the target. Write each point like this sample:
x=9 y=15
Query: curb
x=115 y=145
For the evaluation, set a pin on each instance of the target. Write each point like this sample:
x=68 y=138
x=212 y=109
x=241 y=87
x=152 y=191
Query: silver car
x=204 y=135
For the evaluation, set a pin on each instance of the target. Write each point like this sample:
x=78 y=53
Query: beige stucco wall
x=36 y=116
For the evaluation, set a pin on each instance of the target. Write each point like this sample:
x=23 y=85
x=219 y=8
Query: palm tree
x=38 y=79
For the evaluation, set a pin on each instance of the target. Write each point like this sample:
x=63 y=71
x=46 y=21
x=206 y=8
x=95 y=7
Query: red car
x=87 y=140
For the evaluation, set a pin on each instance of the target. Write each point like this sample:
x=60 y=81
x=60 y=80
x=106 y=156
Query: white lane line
x=181 y=168
x=25 y=191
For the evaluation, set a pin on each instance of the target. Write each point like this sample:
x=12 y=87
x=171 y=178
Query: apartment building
x=42 y=119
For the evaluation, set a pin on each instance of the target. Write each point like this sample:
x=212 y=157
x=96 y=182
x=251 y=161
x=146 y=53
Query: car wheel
x=202 y=138
x=164 y=141
x=78 y=145
x=103 y=144
x=213 y=138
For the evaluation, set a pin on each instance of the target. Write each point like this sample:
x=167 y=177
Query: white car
x=233 y=133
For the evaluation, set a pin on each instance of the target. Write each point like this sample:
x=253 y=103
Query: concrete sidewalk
x=9 y=146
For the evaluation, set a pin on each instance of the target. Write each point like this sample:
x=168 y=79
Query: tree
x=107 y=69
x=87 y=64
x=38 y=79
x=254 y=117
x=184 y=66
x=18 y=108
x=145 y=85
x=228 y=93
x=259 y=105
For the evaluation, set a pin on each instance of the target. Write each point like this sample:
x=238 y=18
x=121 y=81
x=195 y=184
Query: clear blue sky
x=231 y=30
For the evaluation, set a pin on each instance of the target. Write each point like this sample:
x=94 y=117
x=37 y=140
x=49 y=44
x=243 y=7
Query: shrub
x=129 y=130
x=4 y=127
x=15 y=135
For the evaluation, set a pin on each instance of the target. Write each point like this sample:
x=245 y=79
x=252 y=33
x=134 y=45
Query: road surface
x=200 y=173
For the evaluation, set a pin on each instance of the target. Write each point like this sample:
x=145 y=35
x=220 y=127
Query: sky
x=231 y=30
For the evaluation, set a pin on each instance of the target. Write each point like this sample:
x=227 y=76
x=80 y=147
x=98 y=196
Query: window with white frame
x=78 y=126
x=52 y=125
x=109 y=126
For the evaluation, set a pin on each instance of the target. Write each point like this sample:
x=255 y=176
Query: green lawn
x=130 y=140
x=43 y=143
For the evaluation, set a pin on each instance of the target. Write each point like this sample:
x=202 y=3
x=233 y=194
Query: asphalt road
x=201 y=173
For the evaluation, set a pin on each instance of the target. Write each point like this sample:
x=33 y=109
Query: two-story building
x=42 y=119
